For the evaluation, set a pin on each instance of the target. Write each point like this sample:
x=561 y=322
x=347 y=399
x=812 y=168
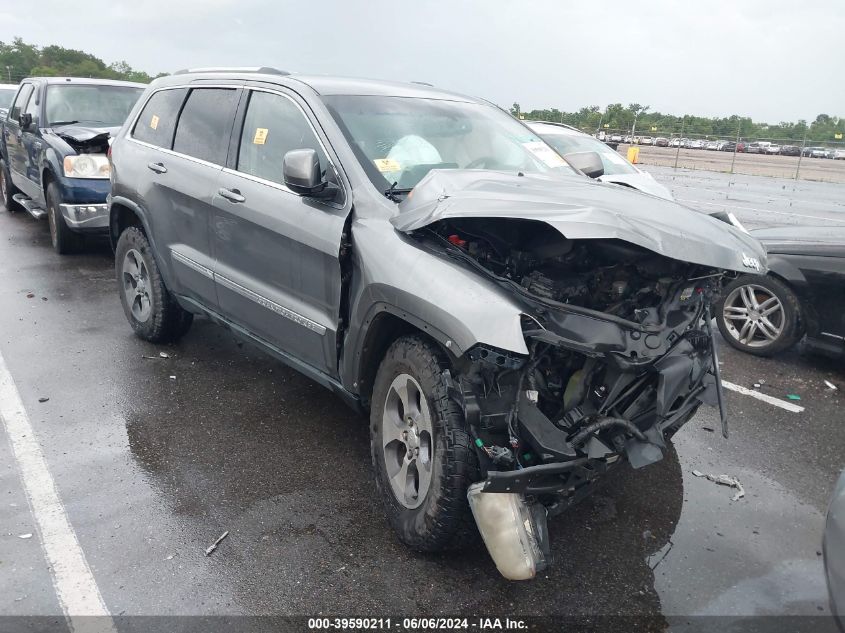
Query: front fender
x=120 y=204
x=455 y=306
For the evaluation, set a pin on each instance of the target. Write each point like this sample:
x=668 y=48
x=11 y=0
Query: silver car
x=511 y=329
x=568 y=140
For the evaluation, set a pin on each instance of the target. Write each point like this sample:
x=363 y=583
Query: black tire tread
x=8 y=202
x=169 y=320
x=449 y=521
x=67 y=241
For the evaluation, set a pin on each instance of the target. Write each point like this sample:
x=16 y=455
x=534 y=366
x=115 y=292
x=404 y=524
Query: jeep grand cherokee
x=513 y=328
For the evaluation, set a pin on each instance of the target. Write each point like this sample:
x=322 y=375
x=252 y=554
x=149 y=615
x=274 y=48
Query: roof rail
x=423 y=83
x=265 y=70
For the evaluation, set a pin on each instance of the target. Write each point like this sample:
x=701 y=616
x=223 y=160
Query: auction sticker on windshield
x=545 y=153
x=387 y=164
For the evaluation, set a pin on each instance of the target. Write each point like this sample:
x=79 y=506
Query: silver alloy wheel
x=407 y=443
x=136 y=285
x=754 y=316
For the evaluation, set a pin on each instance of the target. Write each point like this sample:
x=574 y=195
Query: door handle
x=231 y=194
x=157 y=168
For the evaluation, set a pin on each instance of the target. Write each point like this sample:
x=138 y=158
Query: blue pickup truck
x=53 y=152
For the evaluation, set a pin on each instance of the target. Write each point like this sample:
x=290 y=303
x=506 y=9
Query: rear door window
x=157 y=121
x=205 y=124
x=20 y=102
x=273 y=126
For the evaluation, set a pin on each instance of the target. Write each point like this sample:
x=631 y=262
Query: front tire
x=759 y=315
x=64 y=240
x=7 y=189
x=151 y=310
x=422 y=454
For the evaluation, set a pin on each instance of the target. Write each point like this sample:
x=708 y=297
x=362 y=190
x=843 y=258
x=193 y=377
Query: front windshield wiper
x=394 y=192
x=55 y=123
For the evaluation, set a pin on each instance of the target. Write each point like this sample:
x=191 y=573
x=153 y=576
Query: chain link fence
x=796 y=158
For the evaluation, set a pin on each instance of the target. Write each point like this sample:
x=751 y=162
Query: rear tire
x=7 y=189
x=151 y=310
x=65 y=241
x=759 y=315
x=429 y=511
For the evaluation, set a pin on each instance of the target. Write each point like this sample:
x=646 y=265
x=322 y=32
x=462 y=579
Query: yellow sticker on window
x=260 y=136
x=387 y=164
x=154 y=122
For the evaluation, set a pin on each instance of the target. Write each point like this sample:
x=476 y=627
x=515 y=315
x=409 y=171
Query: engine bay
x=620 y=356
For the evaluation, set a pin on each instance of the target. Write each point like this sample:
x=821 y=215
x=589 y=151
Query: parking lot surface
x=154 y=458
x=818 y=169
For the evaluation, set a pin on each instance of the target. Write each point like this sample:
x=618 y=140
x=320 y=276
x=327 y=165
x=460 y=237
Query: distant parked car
x=7 y=93
x=772 y=149
x=676 y=142
x=754 y=148
x=830 y=153
x=804 y=293
x=728 y=146
x=661 y=142
x=616 y=138
x=568 y=140
x=711 y=146
x=646 y=140
x=696 y=144
x=790 y=150
x=839 y=154
x=629 y=139
x=742 y=147
x=815 y=152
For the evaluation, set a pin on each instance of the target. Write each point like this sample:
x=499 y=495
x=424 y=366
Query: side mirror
x=25 y=119
x=588 y=163
x=301 y=172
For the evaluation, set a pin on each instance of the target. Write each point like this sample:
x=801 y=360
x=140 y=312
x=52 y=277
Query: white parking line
x=783 y=404
x=76 y=589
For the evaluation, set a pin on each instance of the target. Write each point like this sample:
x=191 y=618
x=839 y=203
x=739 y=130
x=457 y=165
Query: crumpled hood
x=84 y=134
x=582 y=209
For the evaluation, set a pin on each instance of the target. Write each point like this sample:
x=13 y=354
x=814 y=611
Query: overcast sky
x=772 y=60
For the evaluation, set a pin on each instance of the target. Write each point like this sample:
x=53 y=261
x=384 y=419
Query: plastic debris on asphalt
x=214 y=545
x=164 y=354
x=724 y=480
x=830 y=385
x=792 y=396
x=43 y=399
x=27 y=535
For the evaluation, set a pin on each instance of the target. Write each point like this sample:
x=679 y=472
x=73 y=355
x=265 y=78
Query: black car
x=803 y=294
x=790 y=150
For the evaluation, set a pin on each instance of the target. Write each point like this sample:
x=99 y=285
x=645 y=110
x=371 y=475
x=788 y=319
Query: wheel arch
x=378 y=332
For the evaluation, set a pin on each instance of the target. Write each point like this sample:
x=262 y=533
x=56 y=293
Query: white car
x=7 y=93
x=772 y=149
x=646 y=140
x=568 y=140
x=712 y=145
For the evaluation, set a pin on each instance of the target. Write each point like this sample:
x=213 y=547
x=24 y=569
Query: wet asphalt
x=155 y=457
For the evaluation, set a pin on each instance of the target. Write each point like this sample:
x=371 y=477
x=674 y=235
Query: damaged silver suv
x=513 y=328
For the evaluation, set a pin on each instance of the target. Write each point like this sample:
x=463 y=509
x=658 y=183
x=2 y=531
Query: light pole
x=634 y=127
x=9 y=72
